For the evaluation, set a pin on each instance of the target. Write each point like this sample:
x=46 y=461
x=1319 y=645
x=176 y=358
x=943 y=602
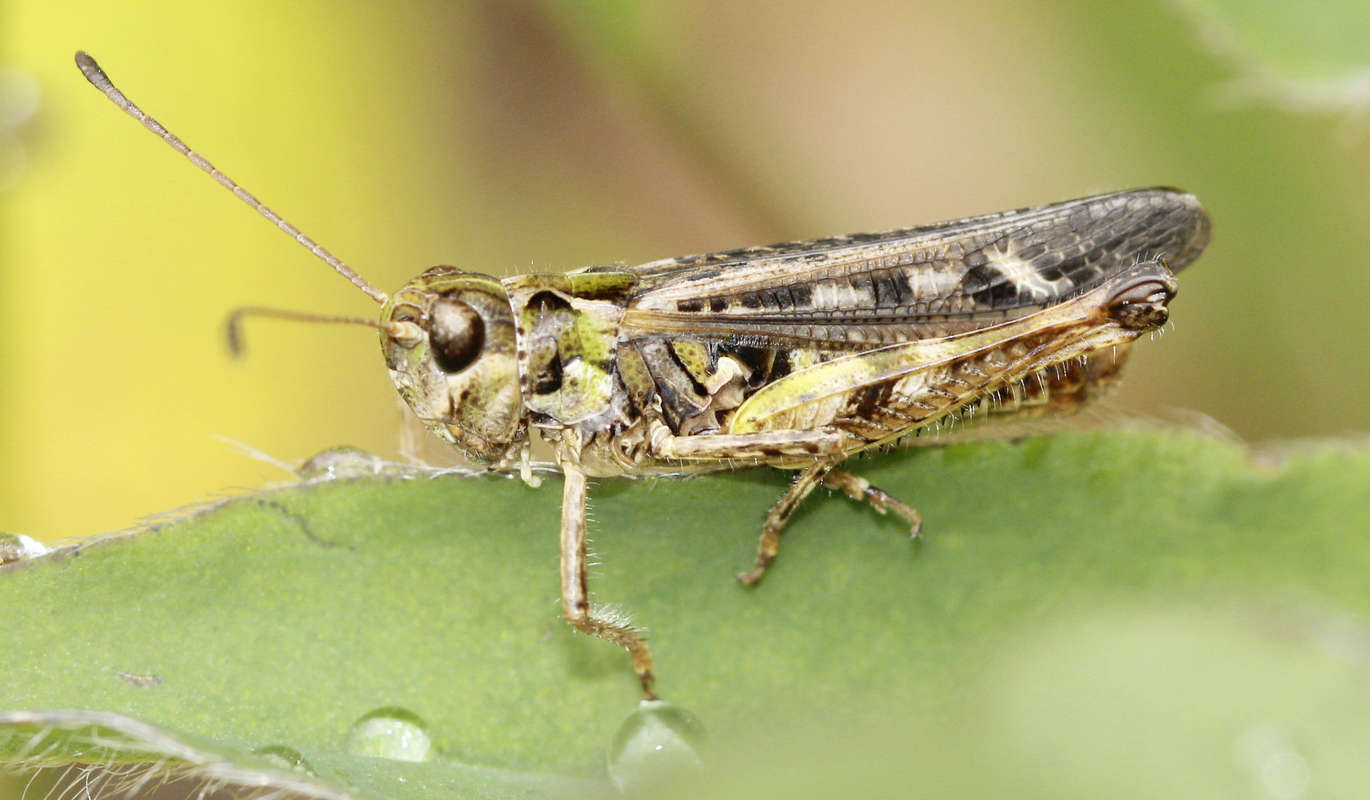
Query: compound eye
x=457 y=334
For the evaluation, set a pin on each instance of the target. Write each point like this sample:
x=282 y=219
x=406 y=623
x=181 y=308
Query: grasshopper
x=795 y=355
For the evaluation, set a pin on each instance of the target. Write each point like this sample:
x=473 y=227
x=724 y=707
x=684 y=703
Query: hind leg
x=853 y=486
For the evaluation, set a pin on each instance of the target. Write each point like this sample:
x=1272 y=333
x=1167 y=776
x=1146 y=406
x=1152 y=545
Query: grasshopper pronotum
x=794 y=355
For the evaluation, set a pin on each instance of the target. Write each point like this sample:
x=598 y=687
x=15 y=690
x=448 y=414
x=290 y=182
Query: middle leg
x=780 y=513
x=859 y=489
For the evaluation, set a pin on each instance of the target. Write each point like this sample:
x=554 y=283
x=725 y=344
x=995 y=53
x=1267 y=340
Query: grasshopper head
x=452 y=358
x=1142 y=304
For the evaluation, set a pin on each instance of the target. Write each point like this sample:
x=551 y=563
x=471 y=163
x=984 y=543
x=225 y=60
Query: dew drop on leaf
x=393 y=733
x=656 y=746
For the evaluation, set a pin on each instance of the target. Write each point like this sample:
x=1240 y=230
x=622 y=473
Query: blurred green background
x=517 y=136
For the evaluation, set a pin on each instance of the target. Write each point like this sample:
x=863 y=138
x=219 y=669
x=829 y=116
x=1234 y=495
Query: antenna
x=403 y=332
x=101 y=81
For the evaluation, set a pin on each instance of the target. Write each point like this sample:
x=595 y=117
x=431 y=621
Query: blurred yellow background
x=519 y=136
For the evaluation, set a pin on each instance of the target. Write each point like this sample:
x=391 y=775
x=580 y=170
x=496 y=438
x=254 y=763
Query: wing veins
x=935 y=280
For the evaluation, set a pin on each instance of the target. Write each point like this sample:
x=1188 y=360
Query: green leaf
x=248 y=644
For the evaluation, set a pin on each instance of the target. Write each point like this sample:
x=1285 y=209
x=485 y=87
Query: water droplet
x=287 y=757
x=17 y=547
x=340 y=463
x=391 y=733
x=656 y=745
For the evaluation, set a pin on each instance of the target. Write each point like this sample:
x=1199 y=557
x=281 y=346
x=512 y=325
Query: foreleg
x=575 y=594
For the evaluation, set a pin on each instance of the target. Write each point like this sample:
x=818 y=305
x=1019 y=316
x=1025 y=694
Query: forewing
x=863 y=290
